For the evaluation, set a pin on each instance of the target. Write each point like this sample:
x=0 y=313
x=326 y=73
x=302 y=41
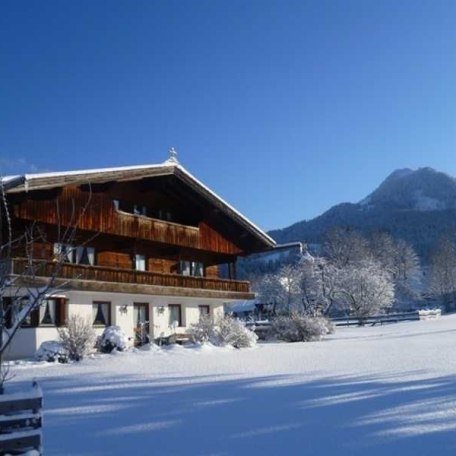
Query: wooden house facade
x=147 y=248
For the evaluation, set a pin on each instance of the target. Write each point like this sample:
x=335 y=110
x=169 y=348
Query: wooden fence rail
x=20 y=421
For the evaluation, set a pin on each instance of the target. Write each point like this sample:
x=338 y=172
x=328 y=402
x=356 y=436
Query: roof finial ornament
x=172 y=155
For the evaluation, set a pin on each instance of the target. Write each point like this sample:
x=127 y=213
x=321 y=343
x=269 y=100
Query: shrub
x=52 y=351
x=77 y=338
x=231 y=331
x=225 y=331
x=203 y=331
x=112 y=338
x=300 y=328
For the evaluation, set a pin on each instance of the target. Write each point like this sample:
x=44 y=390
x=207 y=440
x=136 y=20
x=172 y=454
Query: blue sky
x=284 y=108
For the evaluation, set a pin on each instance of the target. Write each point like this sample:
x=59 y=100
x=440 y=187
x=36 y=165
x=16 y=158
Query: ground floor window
x=175 y=315
x=51 y=312
x=101 y=313
x=204 y=311
x=12 y=307
x=47 y=312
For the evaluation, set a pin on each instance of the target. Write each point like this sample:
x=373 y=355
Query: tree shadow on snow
x=102 y=414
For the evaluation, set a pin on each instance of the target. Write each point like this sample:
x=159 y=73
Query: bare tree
x=345 y=246
x=23 y=290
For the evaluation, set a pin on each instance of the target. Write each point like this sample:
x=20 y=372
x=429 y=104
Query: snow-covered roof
x=38 y=181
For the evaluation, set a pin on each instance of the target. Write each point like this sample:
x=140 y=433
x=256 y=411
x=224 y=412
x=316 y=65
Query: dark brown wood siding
x=96 y=213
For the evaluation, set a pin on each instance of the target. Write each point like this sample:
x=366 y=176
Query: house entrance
x=141 y=321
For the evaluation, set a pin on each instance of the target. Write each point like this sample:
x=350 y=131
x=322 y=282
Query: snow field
x=376 y=390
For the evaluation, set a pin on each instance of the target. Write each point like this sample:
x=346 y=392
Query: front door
x=141 y=321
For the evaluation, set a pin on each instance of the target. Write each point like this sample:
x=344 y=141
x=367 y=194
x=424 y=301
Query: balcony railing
x=141 y=227
x=39 y=268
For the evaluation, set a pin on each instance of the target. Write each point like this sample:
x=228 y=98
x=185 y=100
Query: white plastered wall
x=28 y=340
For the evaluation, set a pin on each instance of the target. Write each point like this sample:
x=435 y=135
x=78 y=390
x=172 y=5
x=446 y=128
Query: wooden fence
x=20 y=421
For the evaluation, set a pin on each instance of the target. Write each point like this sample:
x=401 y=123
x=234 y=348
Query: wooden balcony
x=100 y=216
x=97 y=278
x=140 y=227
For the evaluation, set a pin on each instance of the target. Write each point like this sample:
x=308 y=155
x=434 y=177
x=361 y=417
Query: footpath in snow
x=387 y=390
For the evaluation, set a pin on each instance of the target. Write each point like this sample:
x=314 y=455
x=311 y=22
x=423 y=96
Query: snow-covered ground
x=387 y=390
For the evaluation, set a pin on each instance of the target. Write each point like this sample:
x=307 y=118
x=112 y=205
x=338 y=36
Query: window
x=71 y=254
x=164 y=215
x=47 y=312
x=139 y=210
x=191 y=268
x=204 y=311
x=85 y=255
x=51 y=312
x=175 y=315
x=21 y=303
x=101 y=313
x=67 y=252
x=140 y=262
x=185 y=268
x=198 y=269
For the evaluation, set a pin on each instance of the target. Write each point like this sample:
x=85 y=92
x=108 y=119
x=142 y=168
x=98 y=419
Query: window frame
x=109 y=322
x=204 y=306
x=180 y=320
x=138 y=257
x=192 y=267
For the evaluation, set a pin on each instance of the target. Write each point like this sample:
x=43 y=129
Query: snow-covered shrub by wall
x=203 y=331
x=113 y=338
x=51 y=351
x=78 y=337
x=225 y=331
x=300 y=328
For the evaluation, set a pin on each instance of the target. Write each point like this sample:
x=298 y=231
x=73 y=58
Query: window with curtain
x=191 y=268
x=140 y=262
x=66 y=251
x=175 y=315
x=21 y=303
x=101 y=313
x=85 y=255
x=204 y=311
x=47 y=312
x=71 y=254
x=185 y=268
x=198 y=269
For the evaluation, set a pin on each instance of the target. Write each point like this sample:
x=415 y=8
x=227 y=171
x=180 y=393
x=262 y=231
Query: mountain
x=415 y=205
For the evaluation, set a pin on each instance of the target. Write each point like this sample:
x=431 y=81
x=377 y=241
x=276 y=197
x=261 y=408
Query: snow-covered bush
x=78 y=337
x=112 y=338
x=300 y=328
x=327 y=325
x=203 y=331
x=231 y=331
x=225 y=331
x=52 y=351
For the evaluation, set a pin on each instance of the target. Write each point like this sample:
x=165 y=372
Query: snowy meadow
x=388 y=390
